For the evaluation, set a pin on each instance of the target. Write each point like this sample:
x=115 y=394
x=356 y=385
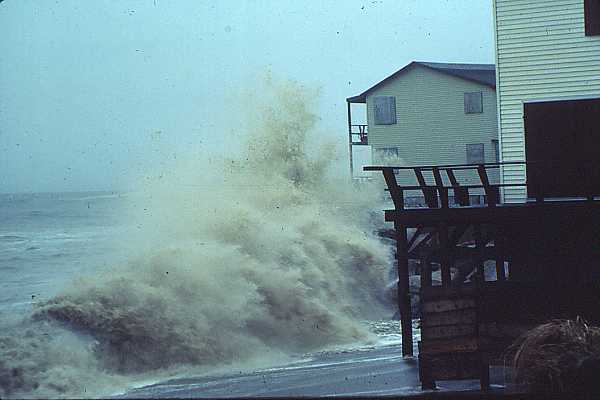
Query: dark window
x=473 y=103
x=475 y=154
x=592 y=17
x=496 y=146
x=385 y=110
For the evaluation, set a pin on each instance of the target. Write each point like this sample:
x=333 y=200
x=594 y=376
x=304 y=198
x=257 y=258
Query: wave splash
x=265 y=255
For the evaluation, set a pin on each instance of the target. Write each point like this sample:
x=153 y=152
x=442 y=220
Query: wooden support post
x=480 y=249
x=403 y=290
x=499 y=247
x=444 y=254
x=427 y=383
x=350 y=141
x=425 y=272
x=484 y=379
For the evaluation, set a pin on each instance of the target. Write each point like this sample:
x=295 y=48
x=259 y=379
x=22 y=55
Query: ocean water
x=47 y=239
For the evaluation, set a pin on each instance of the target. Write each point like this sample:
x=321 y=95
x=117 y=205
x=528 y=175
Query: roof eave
x=361 y=98
x=492 y=85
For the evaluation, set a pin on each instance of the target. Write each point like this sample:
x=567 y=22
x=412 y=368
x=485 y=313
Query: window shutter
x=473 y=103
x=592 y=17
x=475 y=153
x=385 y=110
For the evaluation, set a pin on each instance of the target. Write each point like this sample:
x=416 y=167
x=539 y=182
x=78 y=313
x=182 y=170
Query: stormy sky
x=95 y=93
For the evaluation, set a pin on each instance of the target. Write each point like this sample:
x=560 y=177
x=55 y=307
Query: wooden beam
x=414 y=237
x=452 y=177
x=404 y=305
x=429 y=193
x=421 y=242
x=518 y=212
x=500 y=250
x=395 y=191
x=444 y=166
x=426 y=271
x=443 y=191
x=479 y=245
x=461 y=194
x=444 y=253
x=491 y=192
x=350 y=142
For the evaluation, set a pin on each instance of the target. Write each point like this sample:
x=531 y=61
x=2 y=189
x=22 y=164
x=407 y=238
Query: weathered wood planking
x=450 y=366
x=448 y=331
x=439 y=306
x=453 y=345
x=449 y=318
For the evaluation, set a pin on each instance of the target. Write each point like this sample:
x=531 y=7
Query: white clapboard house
x=429 y=113
x=548 y=90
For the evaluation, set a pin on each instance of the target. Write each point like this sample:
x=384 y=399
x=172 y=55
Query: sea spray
x=241 y=259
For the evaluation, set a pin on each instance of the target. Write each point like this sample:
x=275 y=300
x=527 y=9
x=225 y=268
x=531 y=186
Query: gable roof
x=484 y=74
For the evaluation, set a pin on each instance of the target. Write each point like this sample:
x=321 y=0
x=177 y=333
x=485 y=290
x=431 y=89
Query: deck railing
x=437 y=195
x=360 y=130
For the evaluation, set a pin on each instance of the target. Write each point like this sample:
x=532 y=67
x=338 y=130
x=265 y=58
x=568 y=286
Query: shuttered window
x=473 y=103
x=385 y=110
x=592 y=17
x=475 y=153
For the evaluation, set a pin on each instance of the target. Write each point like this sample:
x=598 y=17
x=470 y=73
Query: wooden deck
x=545 y=252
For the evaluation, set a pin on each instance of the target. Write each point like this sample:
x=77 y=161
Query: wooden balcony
x=359 y=134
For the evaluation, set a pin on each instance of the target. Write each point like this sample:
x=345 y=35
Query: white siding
x=541 y=53
x=432 y=127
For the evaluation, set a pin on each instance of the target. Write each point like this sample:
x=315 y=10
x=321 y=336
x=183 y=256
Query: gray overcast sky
x=95 y=92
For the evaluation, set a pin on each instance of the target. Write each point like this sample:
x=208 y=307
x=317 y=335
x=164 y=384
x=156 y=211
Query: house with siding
x=430 y=113
x=548 y=91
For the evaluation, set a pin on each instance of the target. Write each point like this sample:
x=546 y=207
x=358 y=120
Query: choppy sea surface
x=49 y=239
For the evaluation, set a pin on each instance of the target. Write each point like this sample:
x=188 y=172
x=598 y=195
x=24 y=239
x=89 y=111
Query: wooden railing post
x=491 y=193
x=429 y=194
x=443 y=191
x=461 y=195
x=395 y=191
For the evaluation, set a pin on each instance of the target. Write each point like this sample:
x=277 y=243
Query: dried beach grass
x=561 y=356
